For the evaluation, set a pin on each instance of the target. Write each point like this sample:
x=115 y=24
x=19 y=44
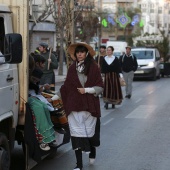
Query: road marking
x=138 y=100
x=159 y=86
x=108 y=121
x=150 y=92
x=142 y=112
x=104 y=115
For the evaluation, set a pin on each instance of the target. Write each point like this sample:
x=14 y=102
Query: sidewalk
x=60 y=78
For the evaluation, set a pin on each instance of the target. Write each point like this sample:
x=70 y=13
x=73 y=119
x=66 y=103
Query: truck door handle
x=9 y=78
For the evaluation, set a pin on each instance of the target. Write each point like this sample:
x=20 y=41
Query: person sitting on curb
x=45 y=133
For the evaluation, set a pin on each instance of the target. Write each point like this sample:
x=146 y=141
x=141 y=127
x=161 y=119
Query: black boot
x=79 y=159
x=113 y=106
x=92 y=152
x=92 y=155
x=106 y=105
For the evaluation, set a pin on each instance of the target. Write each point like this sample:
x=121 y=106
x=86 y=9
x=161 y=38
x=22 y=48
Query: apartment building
x=156 y=14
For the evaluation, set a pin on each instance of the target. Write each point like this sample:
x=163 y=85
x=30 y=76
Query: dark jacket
x=73 y=100
x=128 y=63
x=113 y=67
x=99 y=59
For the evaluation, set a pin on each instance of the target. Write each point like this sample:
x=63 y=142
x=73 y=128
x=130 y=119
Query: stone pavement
x=60 y=78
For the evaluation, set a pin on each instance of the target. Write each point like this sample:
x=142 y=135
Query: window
x=151 y=10
x=144 y=54
x=160 y=10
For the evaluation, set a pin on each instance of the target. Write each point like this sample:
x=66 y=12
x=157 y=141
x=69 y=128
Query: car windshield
x=144 y=54
x=117 y=54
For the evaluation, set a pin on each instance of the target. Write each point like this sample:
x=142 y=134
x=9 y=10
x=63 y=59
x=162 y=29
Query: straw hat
x=72 y=48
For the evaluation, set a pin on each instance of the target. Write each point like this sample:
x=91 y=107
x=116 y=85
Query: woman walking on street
x=112 y=90
x=81 y=102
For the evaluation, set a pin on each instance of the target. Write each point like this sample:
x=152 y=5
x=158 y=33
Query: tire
x=159 y=76
x=154 y=76
x=4 y=153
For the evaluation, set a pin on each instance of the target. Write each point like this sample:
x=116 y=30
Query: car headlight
x=151 y=64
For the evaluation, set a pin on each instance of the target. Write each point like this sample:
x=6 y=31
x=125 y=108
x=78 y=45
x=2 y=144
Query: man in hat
x=129 y=65
x=50 y=64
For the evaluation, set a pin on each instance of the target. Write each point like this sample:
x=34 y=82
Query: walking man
x=129 y=65
x=50 y=64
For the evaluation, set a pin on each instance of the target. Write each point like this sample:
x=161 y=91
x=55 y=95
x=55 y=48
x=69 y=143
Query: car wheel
x=4 y=153
x=159 y=76
x=154 y=76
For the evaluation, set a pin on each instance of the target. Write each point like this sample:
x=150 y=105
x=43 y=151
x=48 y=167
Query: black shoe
x=92 y=155
x=53 y=144
x=106 y=106
x=113 y=106
x=128 y=96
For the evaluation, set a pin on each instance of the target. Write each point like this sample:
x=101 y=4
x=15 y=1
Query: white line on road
x=158 y=86
x=150 y=92
x=138 y=100
x=107 y=122
x=142 y=112
x=104 y=115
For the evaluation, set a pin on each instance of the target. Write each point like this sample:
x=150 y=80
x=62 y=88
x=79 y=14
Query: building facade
x=43 y=30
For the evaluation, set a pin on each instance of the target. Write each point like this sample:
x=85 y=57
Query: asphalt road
x=134 y=136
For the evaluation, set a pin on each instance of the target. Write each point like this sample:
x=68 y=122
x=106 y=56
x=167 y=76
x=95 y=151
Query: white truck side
x=119 y=47
x=14 y=73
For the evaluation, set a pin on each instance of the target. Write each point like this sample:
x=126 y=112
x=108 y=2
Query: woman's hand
x=81 y=90
x=49 y=60
x=49 y=100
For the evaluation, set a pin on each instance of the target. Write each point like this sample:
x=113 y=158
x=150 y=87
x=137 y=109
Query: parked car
x=148 y=63
x=164 y=69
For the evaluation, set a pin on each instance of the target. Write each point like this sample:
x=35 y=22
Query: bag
x=122 y=82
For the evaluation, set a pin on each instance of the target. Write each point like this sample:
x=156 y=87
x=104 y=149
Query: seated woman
x=40 y=106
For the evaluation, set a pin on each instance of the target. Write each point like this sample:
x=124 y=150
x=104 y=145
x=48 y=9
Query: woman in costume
x=79 y=94
x=112 y=90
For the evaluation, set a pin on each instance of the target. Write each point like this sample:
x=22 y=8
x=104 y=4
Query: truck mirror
x=13 y=48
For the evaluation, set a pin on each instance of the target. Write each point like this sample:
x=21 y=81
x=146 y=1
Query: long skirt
x=84 y=137
x=112 y=93
x=42 y=120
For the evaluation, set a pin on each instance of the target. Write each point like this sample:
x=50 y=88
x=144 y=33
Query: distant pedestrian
x=50 y=64
x=99 y=59
x=81 y=102
x=129 y=65
x=37 y=51
x=112 y=90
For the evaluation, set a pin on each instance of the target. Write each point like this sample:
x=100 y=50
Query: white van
x=119 y=47
x=148 y=62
